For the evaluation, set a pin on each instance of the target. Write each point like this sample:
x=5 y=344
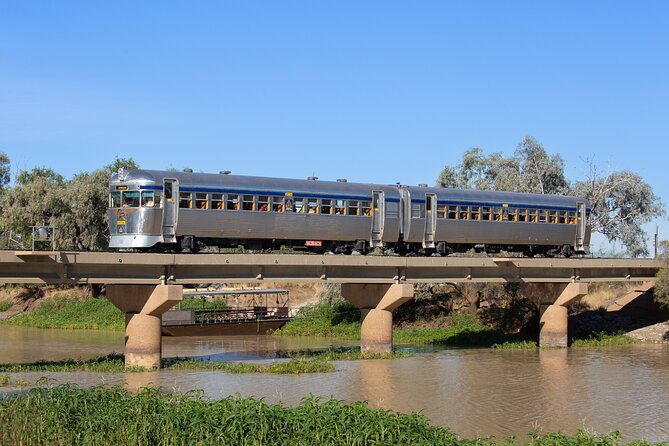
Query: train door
x=580 y=227
x=430 y=220
x=170 y=209
x=378 y=217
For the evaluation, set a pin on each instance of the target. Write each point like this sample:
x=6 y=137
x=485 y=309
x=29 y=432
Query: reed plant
x=69 y=415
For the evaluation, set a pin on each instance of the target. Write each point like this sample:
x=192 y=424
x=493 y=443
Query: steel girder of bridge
x=62 y=267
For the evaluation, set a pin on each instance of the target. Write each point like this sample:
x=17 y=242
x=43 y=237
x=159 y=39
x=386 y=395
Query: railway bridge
x=144 y=286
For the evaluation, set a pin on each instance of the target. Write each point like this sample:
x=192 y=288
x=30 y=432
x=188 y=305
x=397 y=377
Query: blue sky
x=370 y=91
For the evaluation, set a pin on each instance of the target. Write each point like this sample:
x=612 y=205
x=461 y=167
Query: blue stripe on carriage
x=270 y=193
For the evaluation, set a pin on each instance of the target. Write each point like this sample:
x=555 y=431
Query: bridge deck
x=63 y=267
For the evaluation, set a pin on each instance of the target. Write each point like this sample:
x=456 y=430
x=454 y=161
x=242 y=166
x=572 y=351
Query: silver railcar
x=148 y=208
x=186 y=210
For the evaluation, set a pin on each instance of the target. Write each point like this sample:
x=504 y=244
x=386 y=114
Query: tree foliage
x=621 y=201
x=77 y=208
x=661 y=292
x=4 y=171
x=531 y=169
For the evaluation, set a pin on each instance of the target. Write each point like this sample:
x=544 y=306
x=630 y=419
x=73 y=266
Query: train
x=155 y=210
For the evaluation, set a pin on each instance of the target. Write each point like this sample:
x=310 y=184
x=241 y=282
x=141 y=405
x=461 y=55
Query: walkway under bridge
x=144 y=286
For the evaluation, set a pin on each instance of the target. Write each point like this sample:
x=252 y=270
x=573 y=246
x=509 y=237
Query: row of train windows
x=267 y=203
x=453 y=212
x=235 y=202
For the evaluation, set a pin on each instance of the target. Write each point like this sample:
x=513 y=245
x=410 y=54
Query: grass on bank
x=70 y=415
x=72 y=313
x=342 y=320
x=5 y=305
x=114 y=363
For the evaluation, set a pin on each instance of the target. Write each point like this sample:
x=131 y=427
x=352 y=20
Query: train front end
x=134 y=214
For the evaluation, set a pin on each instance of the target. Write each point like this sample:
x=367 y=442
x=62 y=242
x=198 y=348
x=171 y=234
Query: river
x=475 y=392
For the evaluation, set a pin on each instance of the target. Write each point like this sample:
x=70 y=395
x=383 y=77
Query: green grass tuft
x=5 y=305
x=68 y=415
x=602 y=339
x=114 y=363
x=72 y=313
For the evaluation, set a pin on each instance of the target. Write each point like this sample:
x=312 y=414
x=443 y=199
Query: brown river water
x=475 y=392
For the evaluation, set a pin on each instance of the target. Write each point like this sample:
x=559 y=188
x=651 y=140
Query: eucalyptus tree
x=36 y=199
x=661 y=292
x=4 y=171
x=621 y=201
x=77 y=208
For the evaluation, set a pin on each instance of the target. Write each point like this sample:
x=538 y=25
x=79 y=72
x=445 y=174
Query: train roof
x=295 y=186
x=304 y=187
x=485 y=197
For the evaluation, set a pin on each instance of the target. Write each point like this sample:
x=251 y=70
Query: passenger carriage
x=447 y=219
x=187 y=209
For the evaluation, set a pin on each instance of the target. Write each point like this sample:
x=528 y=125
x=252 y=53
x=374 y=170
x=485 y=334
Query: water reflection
x=476 y=392
x=134 y=381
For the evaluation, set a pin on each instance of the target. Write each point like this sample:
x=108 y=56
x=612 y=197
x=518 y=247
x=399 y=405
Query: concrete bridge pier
x=143 y=306
x=553 y=324
x=376 y=303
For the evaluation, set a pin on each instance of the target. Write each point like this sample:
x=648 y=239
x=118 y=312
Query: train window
x=185 y=200
x=263 y=203
x=201 y=200
x=485 y=213
x=497 y=213
x=562 y=217
x=115 y=199
x=352 y=207
x=552 y=217
x=232 y=204
x=452 y=212
x=513 y=216
x=148 y=199
x=464 y=212
x=217 y=201
x=533 y=216
x=298 y=204
x=366 y=208
x=522 y=214
x=277 y=204
x=168 y=190
x=131 y=199
x=312 y=206
x=572 y=218
x=340 y=207
x=326 y=206
x=441 y=211
x=476 y=213
x=542 y=216
x=247 y=202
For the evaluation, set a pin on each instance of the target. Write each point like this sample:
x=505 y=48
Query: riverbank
x=337 y=318
x=101 y=415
